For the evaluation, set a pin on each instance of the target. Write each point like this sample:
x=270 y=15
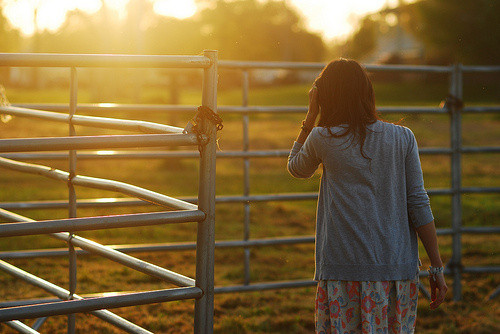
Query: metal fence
x=201 y=289
x=455 y=152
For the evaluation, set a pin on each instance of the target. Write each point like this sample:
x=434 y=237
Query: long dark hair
x=345 y=96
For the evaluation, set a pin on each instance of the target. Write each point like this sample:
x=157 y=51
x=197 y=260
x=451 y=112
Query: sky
x=331 y=18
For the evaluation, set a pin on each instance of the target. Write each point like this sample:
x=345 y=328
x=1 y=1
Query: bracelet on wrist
x=305 y=128
x=434 y=271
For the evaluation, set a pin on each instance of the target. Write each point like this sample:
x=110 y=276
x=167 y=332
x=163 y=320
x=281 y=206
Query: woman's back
x=363 y=205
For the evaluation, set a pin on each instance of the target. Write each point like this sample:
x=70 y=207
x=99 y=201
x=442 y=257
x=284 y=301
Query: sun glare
x=175 y=8
x=50 y=14
x=330 y=18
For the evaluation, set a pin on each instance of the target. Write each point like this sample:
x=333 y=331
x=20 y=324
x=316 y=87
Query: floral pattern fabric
x=351 y=307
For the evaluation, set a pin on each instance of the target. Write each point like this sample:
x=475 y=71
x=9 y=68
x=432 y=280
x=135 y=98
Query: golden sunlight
x=329 y=18
x=175 y=8
x=31 y=15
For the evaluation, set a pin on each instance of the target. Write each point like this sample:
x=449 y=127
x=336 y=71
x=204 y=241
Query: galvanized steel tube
x=246 y=177
x=21 y=327
x=72 y=196
x=456 y=176
x=205 y=242
x=98 y=183
x=232 y=109
x=111 y=107
x=221 y=154
x=318 y=66
x=265 y=286
x=93 y=121
x=97 y=223
x=121 y=202
x=96 y=142
x=101 y=60
x=92 y=304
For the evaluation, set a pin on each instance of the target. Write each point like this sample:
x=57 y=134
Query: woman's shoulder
x=397 y=128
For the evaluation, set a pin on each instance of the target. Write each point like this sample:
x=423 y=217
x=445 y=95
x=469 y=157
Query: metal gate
x=455 y=151
x=202 y=287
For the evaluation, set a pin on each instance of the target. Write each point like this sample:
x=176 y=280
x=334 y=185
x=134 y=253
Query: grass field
x=280 y=311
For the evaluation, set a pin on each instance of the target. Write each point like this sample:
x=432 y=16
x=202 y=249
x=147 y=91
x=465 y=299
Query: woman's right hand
x=438 y=289
x=313 y=94
x=313 y=109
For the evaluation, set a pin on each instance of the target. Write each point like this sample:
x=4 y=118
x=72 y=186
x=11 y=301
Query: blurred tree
x=10 y=39
x=364 y=40
x=464 y=31
x=239 y=29
x=257 y=30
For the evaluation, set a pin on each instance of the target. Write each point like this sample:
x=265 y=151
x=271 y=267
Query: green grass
x=282 y=311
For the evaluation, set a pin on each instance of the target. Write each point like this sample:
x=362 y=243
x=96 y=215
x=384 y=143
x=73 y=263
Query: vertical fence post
x=205 y=243
x=246 y=176
x=456 y=175
x=72 y=195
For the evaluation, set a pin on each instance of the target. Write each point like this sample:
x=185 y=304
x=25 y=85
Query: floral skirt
x=366 y=307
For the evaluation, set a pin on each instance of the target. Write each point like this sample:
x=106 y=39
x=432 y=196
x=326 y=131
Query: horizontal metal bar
x=469 y=68
x=98 y=222
x=481 y=109
x=480 y=149
x=480 y=229
x=63 y=294
x=119 y=202
x=232 y=64
x=132 y=248
x=303 y=109
x=101 y=60
x=21 y=327
x=96 y=142
x=101 y=122
x=25 y=302
x=82 y=203
x=409 y=68
x=284 y=284
x=91 y=304
x=477 y=270
x=144 y=155
x=479 y=190
x=265 y=286
x=114 y=107
x=111 y=107
x=92 y=182
x=109 y=154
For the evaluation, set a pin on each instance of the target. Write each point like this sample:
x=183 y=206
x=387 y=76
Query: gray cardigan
x=367 y=210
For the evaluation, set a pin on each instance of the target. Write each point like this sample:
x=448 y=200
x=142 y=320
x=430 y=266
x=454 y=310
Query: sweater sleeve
x=303 y=159
x=419 y=209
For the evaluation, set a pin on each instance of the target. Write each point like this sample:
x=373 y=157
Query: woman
x=371 y=206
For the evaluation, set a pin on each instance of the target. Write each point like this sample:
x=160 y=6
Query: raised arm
x=303 y=159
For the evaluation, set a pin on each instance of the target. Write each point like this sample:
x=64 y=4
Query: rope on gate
x=194 y=125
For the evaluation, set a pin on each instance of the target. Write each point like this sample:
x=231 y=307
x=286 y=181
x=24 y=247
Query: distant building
x=394 y=44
